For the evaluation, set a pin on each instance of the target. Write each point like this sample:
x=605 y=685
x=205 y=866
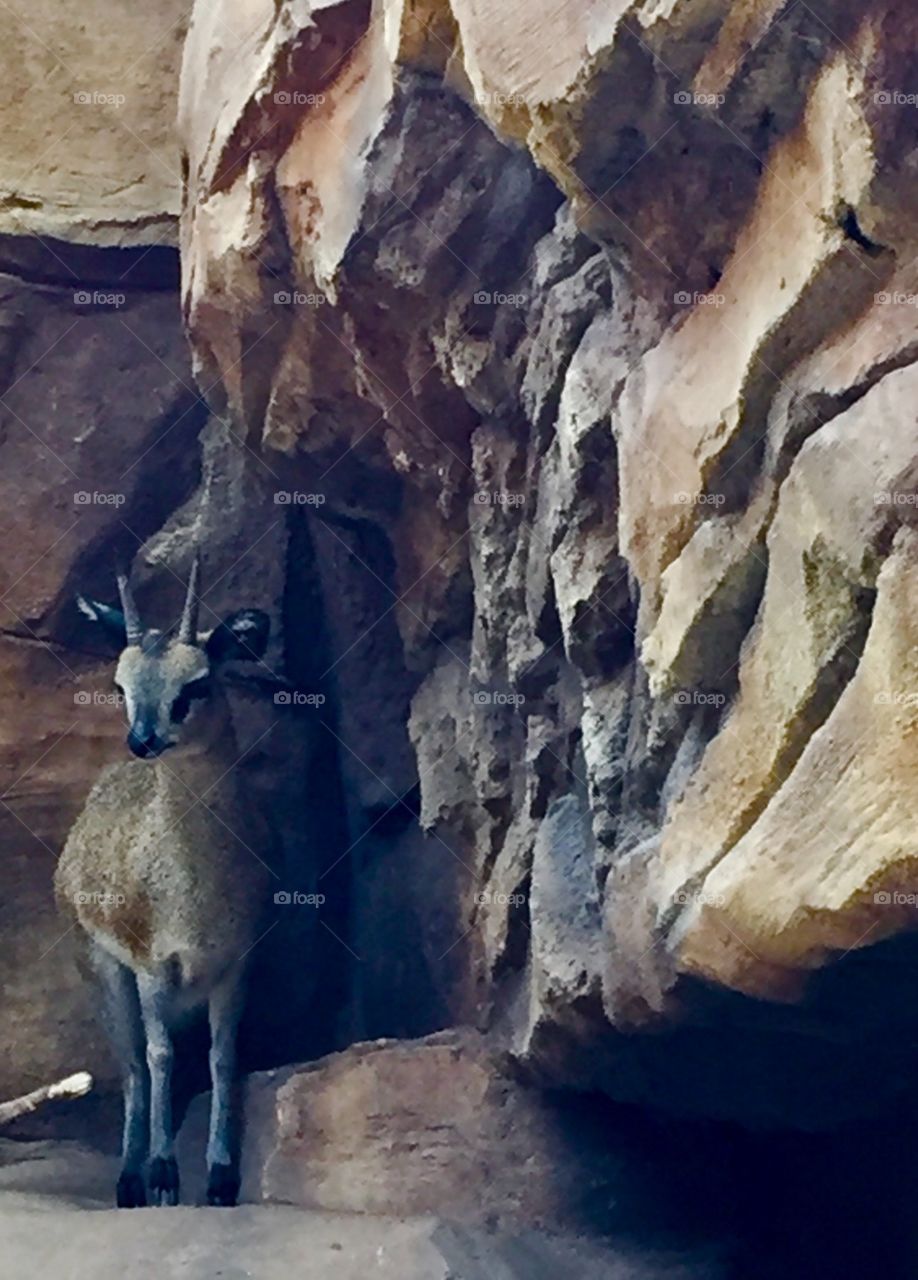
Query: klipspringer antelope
x=164 y=873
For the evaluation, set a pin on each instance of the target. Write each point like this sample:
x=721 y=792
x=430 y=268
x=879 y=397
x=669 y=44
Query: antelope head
x=168 y=679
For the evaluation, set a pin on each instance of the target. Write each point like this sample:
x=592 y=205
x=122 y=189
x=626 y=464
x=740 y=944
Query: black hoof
x=130 y=1192
x=222 y=1185
x=163 y=1180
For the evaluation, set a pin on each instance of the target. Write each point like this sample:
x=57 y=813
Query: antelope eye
x=195 y=689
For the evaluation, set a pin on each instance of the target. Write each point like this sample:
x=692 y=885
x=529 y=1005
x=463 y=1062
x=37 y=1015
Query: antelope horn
x=132 y=624
x=188 y=627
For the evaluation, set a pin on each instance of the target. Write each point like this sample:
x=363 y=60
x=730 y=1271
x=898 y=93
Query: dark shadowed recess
x=69 y=265
x=408 y=977
x=760 y=1204
x=300 y=983
x=301 y=974
x=809 y=1168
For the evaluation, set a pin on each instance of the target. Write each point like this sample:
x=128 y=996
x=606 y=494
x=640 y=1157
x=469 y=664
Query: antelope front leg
x=162 y=1176
x=224 y=1011
x=125 y=1028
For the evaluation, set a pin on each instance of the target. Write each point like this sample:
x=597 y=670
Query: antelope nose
x=144 y=743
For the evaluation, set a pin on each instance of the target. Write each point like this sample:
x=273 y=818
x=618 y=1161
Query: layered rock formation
x=590 y=337
x=553 y=371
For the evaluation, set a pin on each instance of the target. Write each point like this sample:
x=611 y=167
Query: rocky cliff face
x=590 y=333
x=556 y=370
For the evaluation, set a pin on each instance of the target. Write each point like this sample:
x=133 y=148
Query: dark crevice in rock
x=515 y=954
x=848 y=221
x=302 y=1019
x=58 y=264
x=808 y=412
x=23 y=637
x=391 y=820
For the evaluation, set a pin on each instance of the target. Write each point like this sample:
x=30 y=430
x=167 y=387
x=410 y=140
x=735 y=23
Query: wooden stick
x=72 y=1087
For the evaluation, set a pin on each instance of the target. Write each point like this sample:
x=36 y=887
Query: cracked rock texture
x=598 y=325
x=556 y=373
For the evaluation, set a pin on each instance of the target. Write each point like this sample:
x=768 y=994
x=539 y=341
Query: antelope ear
x=241 y=636
x=112 y=620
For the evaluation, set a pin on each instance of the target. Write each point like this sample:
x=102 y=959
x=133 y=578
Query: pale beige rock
x=689 y=421
x=516 y=65
x=291 y=127
x=823 y=556
x=90 y=152
x=706 y=595
x=830 y=865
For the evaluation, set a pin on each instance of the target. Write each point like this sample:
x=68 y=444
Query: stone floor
x=56 y=1220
